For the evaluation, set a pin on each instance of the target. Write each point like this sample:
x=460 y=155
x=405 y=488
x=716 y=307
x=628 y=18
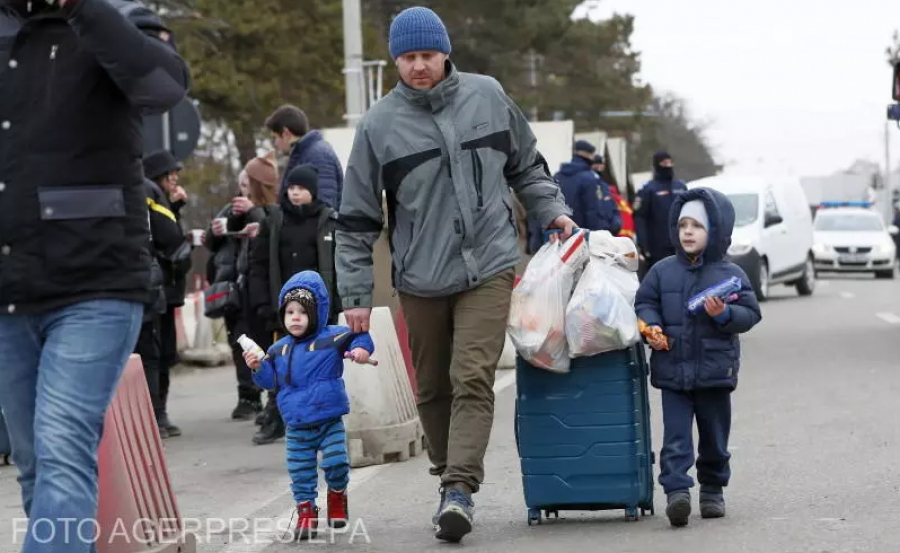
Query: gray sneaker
x=712 y=504
x=679 y=508
x=456 y=516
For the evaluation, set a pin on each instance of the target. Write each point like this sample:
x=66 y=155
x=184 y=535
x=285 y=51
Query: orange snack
x=653 y=334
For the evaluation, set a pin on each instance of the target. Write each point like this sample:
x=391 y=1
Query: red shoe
x=307 y=523
x=337 y=509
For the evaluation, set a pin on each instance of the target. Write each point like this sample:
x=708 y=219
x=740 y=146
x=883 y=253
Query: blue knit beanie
x=417 y=29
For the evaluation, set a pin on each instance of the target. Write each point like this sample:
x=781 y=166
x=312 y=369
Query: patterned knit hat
x=308 y=301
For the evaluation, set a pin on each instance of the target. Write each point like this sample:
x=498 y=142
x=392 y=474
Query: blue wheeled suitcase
x=584 y=437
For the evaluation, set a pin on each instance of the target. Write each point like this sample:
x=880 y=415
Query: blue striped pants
x=303 y=445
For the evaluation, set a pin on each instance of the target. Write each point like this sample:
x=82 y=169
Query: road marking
x=889 y=318
x=358 y=477
x=848 y=295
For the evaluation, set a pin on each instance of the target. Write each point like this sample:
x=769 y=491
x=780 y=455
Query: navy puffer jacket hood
x=721 y=220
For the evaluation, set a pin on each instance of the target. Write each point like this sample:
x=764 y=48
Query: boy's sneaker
x=712 y=503
x=679 y=508
x=455 y=519
x=337 y=508
x=307 y=521
x=437 y=514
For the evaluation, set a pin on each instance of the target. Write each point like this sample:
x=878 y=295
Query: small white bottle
x=249 y=345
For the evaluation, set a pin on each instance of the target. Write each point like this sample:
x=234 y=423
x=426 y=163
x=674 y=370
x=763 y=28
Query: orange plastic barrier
x=137 y=510
x=403 y=338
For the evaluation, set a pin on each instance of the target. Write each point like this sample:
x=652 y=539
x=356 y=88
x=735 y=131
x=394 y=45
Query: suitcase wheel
x=534 y=516
x=631 y=514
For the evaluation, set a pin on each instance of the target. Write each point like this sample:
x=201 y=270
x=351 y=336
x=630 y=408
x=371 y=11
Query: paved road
x=815 y=444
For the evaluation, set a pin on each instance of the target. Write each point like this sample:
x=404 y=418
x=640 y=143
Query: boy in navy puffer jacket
x=699 y=370
x=305 y=368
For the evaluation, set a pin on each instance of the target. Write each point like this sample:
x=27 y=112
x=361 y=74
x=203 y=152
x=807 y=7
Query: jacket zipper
x=51 y=80
x=477 y=171
x=698 y=352
x=412 y=228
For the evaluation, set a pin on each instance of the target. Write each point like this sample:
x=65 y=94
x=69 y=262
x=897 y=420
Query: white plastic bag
x=600 y=316
x=537 y=313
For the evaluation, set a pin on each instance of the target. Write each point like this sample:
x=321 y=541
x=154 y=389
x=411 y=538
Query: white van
x=773 y=231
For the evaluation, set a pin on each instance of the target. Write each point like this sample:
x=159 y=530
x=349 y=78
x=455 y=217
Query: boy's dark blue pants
x=712 y=409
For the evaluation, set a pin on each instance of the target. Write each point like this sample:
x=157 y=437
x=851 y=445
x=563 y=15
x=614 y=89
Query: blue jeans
x=4 y=437
x=58 y=373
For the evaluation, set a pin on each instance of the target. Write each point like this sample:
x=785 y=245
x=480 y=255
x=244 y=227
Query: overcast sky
x=789 y=86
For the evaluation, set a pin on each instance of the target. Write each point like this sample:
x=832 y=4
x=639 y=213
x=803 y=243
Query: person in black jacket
x=298 y=236
x=161 y=169
x=651 y=211
x=166 y=239
x=696 y=360
x=77 y=78
x=258 y=183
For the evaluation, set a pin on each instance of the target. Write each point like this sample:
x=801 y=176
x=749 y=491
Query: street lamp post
x=354 y=77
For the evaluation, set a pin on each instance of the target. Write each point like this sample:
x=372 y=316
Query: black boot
x=171 y=429
x=271 y=430
x=246 y=409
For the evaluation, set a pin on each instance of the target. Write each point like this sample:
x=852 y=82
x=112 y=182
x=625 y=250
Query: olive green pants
x=456 y=343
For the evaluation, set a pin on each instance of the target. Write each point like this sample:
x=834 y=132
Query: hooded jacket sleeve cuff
x=724 y=317
x=351 y=302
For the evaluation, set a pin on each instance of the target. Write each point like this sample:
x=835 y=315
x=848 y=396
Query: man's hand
x=359 y=355
x=714 y=306
x=565 y=224
x=358 y=318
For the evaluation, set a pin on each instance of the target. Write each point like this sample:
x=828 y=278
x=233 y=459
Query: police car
x=850 y=237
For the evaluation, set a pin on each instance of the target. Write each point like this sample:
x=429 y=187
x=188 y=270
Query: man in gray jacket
x=444 y=148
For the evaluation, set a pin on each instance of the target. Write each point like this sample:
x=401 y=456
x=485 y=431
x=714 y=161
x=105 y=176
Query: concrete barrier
x=200 y=346
x=383 y=425
x=508 y=357
x=137 y=511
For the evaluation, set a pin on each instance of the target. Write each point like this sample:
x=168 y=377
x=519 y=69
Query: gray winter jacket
x=445 y=159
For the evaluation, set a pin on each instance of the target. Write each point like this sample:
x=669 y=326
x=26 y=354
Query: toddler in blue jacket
x=696 y=364
x=305 y=368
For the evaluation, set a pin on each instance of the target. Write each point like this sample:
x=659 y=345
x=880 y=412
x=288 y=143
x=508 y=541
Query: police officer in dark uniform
x=585 y=192
x=651 y=211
